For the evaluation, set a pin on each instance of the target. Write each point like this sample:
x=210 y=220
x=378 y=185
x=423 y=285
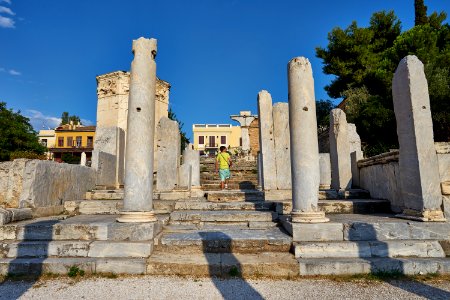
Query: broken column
x=266 y=141
x=304 y=143
x=418 y=164
x=138 y=198
x=189 y=175
x=244 y=118
x=83 y=159
x=168 y=153
x=282 y=145
x=341 y=172
x=355 y=152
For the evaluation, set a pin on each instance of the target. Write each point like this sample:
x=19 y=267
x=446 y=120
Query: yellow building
x=209 y=137
x=47 y=139
x=72 y=140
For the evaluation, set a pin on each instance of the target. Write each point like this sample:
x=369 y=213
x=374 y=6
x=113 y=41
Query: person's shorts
x=224 y=174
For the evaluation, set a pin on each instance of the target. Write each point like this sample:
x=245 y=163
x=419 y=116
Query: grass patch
x=234 y=272
x=74 y=271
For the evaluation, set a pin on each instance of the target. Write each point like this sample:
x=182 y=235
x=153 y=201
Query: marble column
x=418 y=162
x=83 y=159
x=245 y=119
x=138 y=198
x=304 y=144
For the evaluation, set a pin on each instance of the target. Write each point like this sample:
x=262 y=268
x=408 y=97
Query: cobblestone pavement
x=188 y=288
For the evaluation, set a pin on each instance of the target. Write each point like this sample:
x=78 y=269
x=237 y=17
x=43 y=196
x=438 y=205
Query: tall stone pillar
x=418 y=163
x=138 y=198
x=282 y=145
x=341 y=170
x=304 y=143
x=266 y=141
x=245 y=119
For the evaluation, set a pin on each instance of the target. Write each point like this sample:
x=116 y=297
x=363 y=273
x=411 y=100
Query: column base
x=137 y=217
x=309 y=217
x=423 y=216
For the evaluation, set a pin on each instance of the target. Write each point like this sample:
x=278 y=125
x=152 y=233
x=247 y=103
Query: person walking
x=223 y=164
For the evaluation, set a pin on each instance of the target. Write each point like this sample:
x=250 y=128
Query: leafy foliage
x=364 y=60
x=66 y=119
x=184 y=139
x=323 y=108
x=16 y=134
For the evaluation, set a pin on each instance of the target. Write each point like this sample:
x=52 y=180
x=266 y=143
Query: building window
x=90 y=142
x=212 y=141
x=69 y=141
x=61 y=142
x=78 y=142
x=223 y=140
x=201 y=140
x=44 y=142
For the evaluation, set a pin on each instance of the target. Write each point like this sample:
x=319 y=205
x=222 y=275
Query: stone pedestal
x=325 y=171
x=341 y=172
x=138 y=198
x=304 y=143
x=418 y=164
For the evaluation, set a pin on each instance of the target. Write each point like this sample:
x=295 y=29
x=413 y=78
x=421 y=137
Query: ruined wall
x=43 y=186
x=253 y=132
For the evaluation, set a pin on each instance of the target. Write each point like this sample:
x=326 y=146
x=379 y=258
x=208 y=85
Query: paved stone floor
x=146 y=287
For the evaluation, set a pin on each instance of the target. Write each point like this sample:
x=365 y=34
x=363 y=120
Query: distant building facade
x=47 y=139
x=73 y=140
x=209 y=137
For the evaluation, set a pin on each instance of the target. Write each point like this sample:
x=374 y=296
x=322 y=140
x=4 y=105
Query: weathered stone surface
x=168 y=151
x=14 y=214
x=304 y=145
x=325 y=170
x=108 y=156
x=446 y=204
x=281 y=137
x=341 y=174
x=445 y=188
x=190 y=169
x=47 y=249
x=121 y=266
x=444 y=166
x=206 y=205
x=314 y=232
x=336 y=249
x=266 y=141
x=120 y=249
x=223 y=216
x=418 y=163
x=203 y=264
x=138 y=200
x=39 y=266
x=11 y=182
x=245 y=119
x=234 y=196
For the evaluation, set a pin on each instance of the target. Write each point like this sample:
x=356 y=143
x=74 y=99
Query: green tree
x=364 y=61
x=420 y=13
x=66 y=119
x=323 y=108
x=184 y=139
x=16 y=134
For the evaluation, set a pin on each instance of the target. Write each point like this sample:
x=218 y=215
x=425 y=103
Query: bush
x=26 y=154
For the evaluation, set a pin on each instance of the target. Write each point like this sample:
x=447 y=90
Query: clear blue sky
x=217 y=54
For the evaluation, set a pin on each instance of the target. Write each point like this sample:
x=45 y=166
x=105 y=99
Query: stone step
x=214 y=177
x=351 y=266
x=62 y=265
x=234 y=195
x=363 y=249
x=342 y=206
x=234 y=167
x=362 y=227
x=14 y=249
x=245 y=185
x=111 y=207
x=354 y=194
x=104 y=195
x=83 y=228
x=206 y=205
x=224 y=265
x=221 y=216
x=225 y=241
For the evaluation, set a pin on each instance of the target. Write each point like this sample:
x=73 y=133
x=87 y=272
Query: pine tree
x=420 y=12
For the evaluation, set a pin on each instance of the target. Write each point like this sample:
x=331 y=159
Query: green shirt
x=223 y=158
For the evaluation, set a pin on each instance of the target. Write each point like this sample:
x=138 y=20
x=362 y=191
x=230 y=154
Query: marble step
x=110 y=207
x=42 y=249
x=221 y=216
x=214 y=177
x=245 y=185
x=363 y=227
x=342 y=206
x=62 y=265
x=234 y=195
x=82 y=228
x=206 y=205
x=350 y=266
x=224 y=265
x=105 y=195
x=363 y=249
x=225 y=241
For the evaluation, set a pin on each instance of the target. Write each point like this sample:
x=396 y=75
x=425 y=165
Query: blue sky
x=217 y=54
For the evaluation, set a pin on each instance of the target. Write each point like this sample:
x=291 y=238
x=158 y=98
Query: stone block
x=120 y=249
x=445 y=187
x=39 y=266
x=136 y=266
x=418 y=163
x=325 y=170
x=133 y=231
x=167 y=151
x=411 y=248
x=446 y=204
x=266 y=141
x=303 y=232
x=341 y=174
x=282 y=147
x=444 y=166
x=333 y=249
x=204 y=264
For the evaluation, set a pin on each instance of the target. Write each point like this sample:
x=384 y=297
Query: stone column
x=259 y=163
x=418 y=164
x=83 y=159
x=325 y=171
x=191 y=164
x=341 y=171
x=138 y=198
x=245 y=119
x=266 y=141
x=282 y=145
x=355 y=152
x=304 y=143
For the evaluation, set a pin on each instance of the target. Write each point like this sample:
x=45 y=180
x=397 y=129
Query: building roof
x=68 y=127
